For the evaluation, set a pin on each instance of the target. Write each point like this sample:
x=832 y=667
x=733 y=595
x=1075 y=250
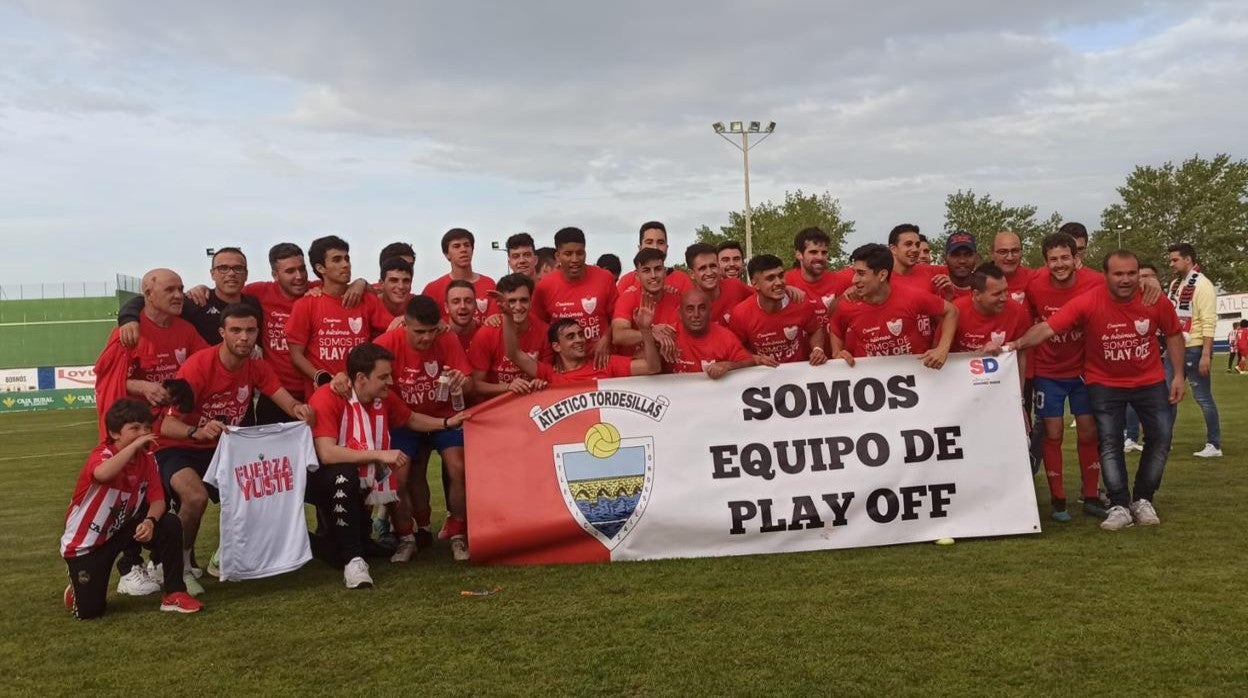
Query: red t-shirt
x=486 y=307
x=731 y=292
x=162 y=350
x=416 y=372
x=219 y=392
x=666 y=310
x=694 y=354
x=1062 y=355
x=465 y=338
x=277 y=307
x=329 y=408
x=976 y=329
x=825 y=290
x=617 y=367
x=590 y=300
x=328 y=331
x=677 y=279
x=783 y=335
x=902 y=324
x=98 y=510
x=486 y=352
x=919 y=278
x=1016 y=284
x=1120 y=345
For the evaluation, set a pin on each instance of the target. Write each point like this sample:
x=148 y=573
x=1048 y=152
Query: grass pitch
x=1074 y=610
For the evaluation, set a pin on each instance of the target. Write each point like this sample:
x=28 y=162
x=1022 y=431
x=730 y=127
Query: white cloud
x=293 y=118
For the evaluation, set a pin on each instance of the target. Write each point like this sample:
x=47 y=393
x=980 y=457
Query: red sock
x=1090 y=467
x=424 y=517
x=1053 y=467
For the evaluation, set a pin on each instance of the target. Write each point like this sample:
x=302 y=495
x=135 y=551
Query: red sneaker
x=69 y=597
x=452 y=527
x=181 y=602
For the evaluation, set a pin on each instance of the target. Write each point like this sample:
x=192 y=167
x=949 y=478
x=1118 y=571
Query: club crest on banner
x=589 y=304
x=1141 y=327
x=356 y=324
x=606 y=481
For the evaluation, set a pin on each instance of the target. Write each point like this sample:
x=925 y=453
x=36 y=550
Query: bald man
x=166 y=341
x=705 y=345
x=1007 y=254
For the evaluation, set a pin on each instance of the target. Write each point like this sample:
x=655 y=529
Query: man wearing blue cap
x=962 y=257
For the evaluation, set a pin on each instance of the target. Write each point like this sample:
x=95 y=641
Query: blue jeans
x=1133 y=424
x=1202 y=393
x=1109 y=407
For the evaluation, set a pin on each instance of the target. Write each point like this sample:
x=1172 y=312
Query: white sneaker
x=193 y=587
x=1118 y=519
x=1143 y=512
x=214 y=564
x=355 y=574
x=407 y=548
x=459 y=548
x=1209 y=451
x=1129 y=445
x=136 y=582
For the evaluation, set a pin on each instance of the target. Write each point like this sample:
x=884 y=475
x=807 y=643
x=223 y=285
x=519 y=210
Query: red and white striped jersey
x=98 y=510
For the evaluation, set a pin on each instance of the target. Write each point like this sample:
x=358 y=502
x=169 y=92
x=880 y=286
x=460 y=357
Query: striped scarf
x=358 y=433
x=1181 y=294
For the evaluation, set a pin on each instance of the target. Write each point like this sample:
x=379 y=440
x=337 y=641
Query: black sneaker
x=424 y=539
x=1095 y=507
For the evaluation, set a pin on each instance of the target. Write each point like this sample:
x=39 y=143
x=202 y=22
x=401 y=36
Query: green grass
x=1073 y=610
x=75 y=343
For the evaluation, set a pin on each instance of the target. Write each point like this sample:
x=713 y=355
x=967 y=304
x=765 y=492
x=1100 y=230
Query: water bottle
x=444 y=388
x=457 y=400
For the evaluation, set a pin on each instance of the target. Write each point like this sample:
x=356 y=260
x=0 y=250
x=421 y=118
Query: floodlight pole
x=745 y=128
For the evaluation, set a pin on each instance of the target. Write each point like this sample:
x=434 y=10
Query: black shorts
x=172 y=460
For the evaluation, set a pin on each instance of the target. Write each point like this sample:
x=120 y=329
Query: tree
x=1202 y=202
x=774 y=226
x=984 y=217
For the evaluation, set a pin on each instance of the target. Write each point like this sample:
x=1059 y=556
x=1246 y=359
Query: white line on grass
x=44 y=455
x=47 y=428
x=56 y=322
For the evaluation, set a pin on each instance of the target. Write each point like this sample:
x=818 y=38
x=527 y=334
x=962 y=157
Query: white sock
x=186 y=560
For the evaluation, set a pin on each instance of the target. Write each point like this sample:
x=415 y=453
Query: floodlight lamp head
x=771 y=127
x=718 y=126
x=735 y=127
x=754 y=126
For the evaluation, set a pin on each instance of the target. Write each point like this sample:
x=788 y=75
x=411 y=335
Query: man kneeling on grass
x=119 y=499
x=352 y=440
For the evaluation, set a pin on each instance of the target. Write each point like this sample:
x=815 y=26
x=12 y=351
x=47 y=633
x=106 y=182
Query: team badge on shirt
x=180 y=355
x=431 y=368
x=482 y=304
x=356 y=324
x=997 y=338
x=1141 y=327
x=589 y=305
x=244 y=392
x=1018 y=296
x=790 y=332
x=894 y=326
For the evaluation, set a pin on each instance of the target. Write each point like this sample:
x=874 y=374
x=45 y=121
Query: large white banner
x=70 y=377
x=14 y=380
x=762 y=461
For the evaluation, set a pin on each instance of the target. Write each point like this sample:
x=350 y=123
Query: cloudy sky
x=135 y=134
